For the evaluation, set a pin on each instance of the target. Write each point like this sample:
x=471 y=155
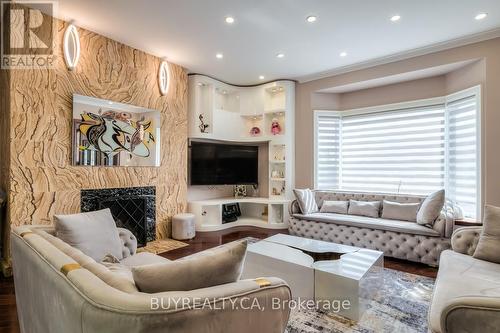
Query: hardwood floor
x=8 y=312
x=202 y=241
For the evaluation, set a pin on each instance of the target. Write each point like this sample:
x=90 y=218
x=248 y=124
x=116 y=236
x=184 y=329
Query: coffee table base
x=343 y=286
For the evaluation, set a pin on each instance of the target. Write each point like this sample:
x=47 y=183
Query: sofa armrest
x=471 y=314
x=294 y=208
x=129 y=242
x=464 y=240
x=444 y=224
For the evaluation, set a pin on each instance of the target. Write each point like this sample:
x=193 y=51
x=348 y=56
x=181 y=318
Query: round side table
x=183 y=226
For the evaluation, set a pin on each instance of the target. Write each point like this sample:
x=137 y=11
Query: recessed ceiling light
x=261 y=77
x=219 y=56
x=395 y=18
x=229 y=20
x=311 y=18
x=343 y=54
x=280 y=55
x=481 y=16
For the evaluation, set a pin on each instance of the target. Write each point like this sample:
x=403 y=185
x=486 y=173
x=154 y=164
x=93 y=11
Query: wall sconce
x=164 y=77
x=71 y=46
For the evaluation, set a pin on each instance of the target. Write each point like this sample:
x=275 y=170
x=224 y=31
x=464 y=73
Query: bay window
x=413 y=148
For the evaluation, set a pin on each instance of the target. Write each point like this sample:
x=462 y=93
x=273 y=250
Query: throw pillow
x=306 y=200
x=400 y=211
x=339 y=207
x=364 y=208
x=93 y=233
x=489 y=240
x=223 y=265
x=431 y=208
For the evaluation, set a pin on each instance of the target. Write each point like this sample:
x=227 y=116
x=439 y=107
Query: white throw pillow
x=306 y=200
x=93 y=233
x=400 y=211
x=364 y=208
x=431 y=208
x=489 y=241
x=219 y=266
x=338 y=207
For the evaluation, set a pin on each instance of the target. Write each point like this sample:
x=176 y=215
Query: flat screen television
x=223 y=164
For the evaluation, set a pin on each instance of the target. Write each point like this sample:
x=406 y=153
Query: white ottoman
x=183 y=226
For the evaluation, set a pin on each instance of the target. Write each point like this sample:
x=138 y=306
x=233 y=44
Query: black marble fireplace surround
x=133 y=208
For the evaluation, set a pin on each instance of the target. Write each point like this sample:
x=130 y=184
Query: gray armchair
x=467 y=292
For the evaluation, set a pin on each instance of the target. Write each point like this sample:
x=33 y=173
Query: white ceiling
x=191 y=32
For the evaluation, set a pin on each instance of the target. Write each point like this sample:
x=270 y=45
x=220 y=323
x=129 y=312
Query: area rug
x=400 y=305
x=162 y=245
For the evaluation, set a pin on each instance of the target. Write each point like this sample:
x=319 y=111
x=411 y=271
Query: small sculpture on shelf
x=279 y=156
x=255 y=131
x=275 y=127
x=265 y=213
x=203 y=127
x=256 y=191
x=276 y=191
x=277 y=174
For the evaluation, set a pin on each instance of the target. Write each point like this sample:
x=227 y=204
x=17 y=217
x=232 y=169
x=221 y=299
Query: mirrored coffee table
x=341 y=276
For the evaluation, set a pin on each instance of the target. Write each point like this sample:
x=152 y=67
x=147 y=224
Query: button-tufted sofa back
x=322 y=195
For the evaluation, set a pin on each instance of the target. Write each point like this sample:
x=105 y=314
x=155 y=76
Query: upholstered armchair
x=467 y=291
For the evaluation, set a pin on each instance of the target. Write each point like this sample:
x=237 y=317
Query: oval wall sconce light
x=164 y=77
x=71 y=46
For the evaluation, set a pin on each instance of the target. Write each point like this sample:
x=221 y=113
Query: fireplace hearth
x=133 y=208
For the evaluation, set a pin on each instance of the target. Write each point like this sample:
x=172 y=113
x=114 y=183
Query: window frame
x=477 y=92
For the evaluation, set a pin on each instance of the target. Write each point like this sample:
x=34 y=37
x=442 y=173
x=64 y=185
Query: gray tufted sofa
x=466 y=295
x=398 y=239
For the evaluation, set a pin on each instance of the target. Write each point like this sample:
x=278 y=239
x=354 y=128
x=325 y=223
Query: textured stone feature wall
x=42 y=181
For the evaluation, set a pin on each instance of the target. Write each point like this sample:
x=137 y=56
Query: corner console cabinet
x=264 y=115
x=259 y=212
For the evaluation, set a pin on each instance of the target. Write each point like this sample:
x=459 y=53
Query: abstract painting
x=107 y=133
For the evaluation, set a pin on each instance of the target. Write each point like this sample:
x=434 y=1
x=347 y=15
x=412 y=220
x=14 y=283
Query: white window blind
x=412 y=150
x=400 y=151
x=327 y=131
x=462 y=173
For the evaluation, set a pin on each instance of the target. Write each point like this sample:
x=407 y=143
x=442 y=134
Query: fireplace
x=133 y=208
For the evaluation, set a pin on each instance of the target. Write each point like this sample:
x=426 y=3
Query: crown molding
x=441 y=46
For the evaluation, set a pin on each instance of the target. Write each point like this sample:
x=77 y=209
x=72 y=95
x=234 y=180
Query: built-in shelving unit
x=265 y=113
x=260 y=212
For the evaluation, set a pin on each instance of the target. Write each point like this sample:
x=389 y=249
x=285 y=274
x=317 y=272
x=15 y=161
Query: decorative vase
x=255 y=131
x=240 y=191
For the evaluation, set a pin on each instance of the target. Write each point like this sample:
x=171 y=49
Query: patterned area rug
x=401 y=306
x=162 y=245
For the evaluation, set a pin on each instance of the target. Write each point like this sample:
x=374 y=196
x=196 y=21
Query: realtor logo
x=27 y=34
